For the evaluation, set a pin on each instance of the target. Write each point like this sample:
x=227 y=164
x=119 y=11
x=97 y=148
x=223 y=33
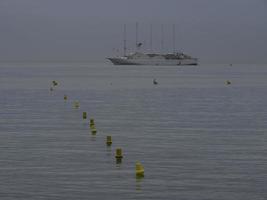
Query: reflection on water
x=93 y=138
x=108 y=150
x=118 y=162
x=139 y=182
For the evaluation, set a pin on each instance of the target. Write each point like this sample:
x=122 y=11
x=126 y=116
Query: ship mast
x=136 y=36
x=124 y=40
x=174 y=41
x=151 y=38
x=162 y=38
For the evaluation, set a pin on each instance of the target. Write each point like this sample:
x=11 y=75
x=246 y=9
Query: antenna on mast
x=173 y=32
x=124 y=40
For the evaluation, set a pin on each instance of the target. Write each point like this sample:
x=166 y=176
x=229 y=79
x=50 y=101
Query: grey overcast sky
x=217 y=31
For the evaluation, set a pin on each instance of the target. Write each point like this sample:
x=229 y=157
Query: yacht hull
x=162 y=62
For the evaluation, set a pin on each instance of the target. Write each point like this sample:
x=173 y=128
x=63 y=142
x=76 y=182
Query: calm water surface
x=196 y=137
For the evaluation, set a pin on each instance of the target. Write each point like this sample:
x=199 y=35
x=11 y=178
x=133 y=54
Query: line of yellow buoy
x=139 y=169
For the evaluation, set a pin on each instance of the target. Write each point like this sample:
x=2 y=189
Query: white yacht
x=139 y=58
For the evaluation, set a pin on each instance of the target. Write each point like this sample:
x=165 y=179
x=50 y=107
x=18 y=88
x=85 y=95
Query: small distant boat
x=155 y=81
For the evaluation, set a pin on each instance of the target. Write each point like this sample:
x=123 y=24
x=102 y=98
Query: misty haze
x=65 y=30
x=133 y=99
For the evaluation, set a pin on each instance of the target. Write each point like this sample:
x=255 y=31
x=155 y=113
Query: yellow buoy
x=93 y=131
x=92 y=123
x=84 y=115
x=109 y=140
x=139 y=169
x=92 y=127
x=76 y=104
x=65 y=97
x=119 y=153
x=55 y=83
x=227 y=82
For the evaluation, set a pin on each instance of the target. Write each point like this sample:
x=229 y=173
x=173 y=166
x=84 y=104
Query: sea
x=197 y=136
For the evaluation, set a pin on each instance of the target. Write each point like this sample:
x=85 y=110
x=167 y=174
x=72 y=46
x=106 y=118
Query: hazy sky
x=219 y=31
